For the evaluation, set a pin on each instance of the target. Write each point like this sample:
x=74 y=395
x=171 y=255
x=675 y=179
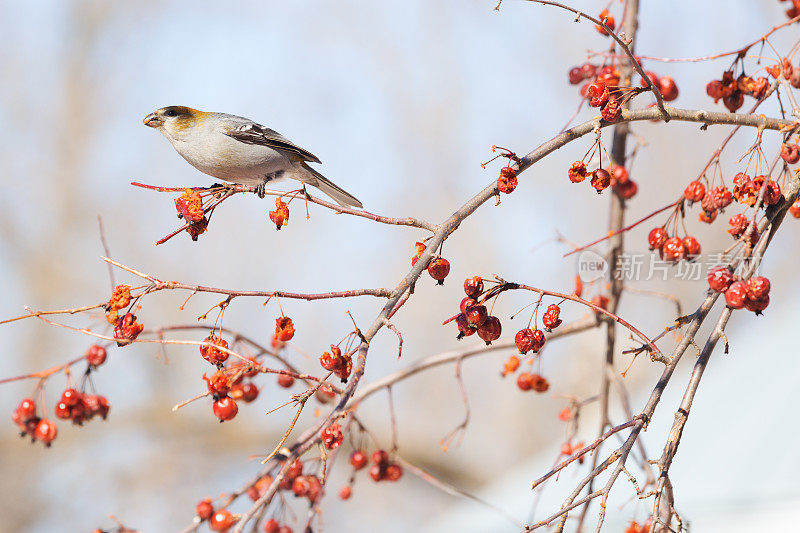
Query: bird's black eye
x=170 y=113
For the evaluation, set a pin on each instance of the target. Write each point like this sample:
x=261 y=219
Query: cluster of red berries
x=332 y=436
x=751 y=294
x=507 y=181
x=673 y=248
x=599 y=96
x=126 y=328
x=618 y=178
x=793 y=11
x=732 y=90
x=81 y=407
x=337 y=362
x=527 y=381
x=712 y=201
x=608 y=19
x=382 y=469
x=190 y=208
x=24 y=416
x=666 y=85
x=474 y=317
x=279 y=217
x=220 y=521
x=227 y=385
x=746 y=190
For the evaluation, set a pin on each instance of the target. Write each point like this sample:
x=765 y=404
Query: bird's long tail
x=312 y=177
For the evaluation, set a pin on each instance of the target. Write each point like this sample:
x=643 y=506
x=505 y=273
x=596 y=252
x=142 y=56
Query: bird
x=238 y=150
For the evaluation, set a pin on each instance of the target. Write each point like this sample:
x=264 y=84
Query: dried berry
x=790 y=153
x=438 y=269
x=507 y=181
x=279 y=217
x=577 y=172
x=211 y=351
x=694 y=192
x=190 y=206
x=473 y=287
x=757 y=288
x=606 y=18
x=127 y=329
x=601 y=179
x=611 y=111
x=204 y=509
x=597 y=93
x=490 y=329
x=284 y=328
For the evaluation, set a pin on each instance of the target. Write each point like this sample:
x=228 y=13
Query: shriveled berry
x=551 y=318
x=524 y=340
x=507 y=181
x=284 y=328
x=577 y=172
x=736 y=295
x=211 y=352
x=714 y=89
x=464 y=327
x=511 y=365
x=611 y=111
x=127 y=329
x=332 y=436
x=601 y=179
x=539 y=383
x=473 y=286
x=597 y=93
x=219 y=383
x=606 y=18
x=490 y=329
x=733 y=101
x=738 y=225
x=280 y=217
x=790 y=153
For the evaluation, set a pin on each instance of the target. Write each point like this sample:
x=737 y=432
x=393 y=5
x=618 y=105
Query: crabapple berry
x=222 y=520
x=673 y=250
x=668 y=88
x=225 y=409
x=694 y=192
x=736 y=295
x=358 y=459
x=438 y=269
x=691 y=247
x=490 y=329
x=656 y=238
x=473 y=287
x=757 y=288
x=597 y=93
x=790 y=153
x=46 y=431
x=96 y=355
x=577 y=172
x=345 y=492
x=719 y=279
x=601 y=179
x=204 y=509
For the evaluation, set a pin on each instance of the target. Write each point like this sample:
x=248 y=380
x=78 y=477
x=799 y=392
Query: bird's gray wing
x=252 y=133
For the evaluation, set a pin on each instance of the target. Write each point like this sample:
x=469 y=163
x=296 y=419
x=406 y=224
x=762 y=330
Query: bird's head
x=173 y=120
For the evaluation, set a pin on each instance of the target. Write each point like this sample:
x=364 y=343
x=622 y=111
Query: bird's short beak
x=152 y=120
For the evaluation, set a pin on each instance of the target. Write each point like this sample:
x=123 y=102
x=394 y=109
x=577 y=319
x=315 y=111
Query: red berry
x=550 y=318
x=285 y=380
x=588 y=70
x=601 y=179
x=694 y=192
x=733 y=101
x=249 y=392
x=218 y=383
x=490 y=329
x=714 y=89
x=376 y=473
x=473 y=287
x=280 y=217
x=330 y=362
x=46 y=431
x=285 y=529
x=225 y=409
x=295 y=469
x=26 y=409
x=222 y=520
x=345 y=492
x=673 y=249
x=127 y=329
x=511 y=365
x=577 y=172
x=204 y=509
x=358 y=459
x=96 y=355
x=691 y=246
x=719 y=279
x=300 y=486
x=597 y=93
x=619 y=174
x=476 y=315
x=757 y=288
x=575 y=75
x=464 y=327
x=271 y=526
x=439 y=268
x=757 y=306
x=669 y=91
x=600 y=300
x=524 y=340
x=466 y=303
x=607 y=19
x=63 y=411
x=525 y=381
x=95 y=405
x=736 y=295
x=794 y=210
x=539 y=384
x=627 y=190
x=738 y=225
x=656 y=238
x=394 y=472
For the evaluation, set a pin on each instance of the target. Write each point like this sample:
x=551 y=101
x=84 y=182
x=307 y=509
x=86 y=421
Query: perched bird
x=239 y=150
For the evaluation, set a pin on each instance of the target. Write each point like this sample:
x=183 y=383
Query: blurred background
x=402 y=101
